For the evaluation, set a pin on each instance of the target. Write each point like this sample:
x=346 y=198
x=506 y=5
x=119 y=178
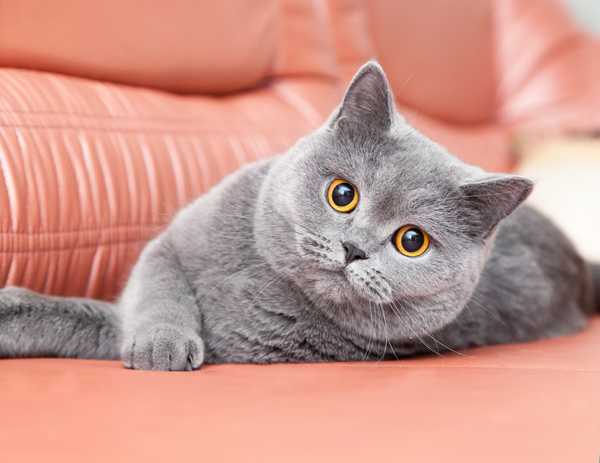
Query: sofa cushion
x=184 y=46
x=431 y=55
x=534 y=402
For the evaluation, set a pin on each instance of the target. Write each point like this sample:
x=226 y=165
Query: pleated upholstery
x=92 y=170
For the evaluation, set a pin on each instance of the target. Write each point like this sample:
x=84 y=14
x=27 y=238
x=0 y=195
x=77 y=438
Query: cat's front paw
x=163 y=347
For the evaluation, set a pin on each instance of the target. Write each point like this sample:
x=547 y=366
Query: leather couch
x=114 y=114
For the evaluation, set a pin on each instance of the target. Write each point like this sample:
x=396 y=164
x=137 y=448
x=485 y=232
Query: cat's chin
x=341 y=287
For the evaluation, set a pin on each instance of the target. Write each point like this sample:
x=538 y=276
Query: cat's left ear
x=368 y=103
x=487 y=202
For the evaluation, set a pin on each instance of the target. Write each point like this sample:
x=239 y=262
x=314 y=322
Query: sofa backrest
x=438 y=55
x=189 y=46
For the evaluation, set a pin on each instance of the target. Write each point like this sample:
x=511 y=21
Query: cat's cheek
x=333 y=289
x=414 y=276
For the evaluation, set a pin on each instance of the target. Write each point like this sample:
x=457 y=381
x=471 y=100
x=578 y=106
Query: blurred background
x=568 y=169
x=586 y=12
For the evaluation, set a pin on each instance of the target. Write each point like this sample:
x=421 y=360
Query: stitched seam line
x=75 y=248
x=85 y=230
x=27 y=112
x=249 y=132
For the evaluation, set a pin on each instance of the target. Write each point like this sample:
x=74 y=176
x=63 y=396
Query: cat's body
x=262 y=269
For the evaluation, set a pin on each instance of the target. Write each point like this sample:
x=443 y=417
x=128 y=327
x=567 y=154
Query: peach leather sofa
x=114 y=114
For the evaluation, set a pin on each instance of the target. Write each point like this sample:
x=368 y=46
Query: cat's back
x=222 y=216
x=528 y=237
x=534 y=284
x=213 y=236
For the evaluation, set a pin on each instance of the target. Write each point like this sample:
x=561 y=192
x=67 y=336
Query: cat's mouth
x=353 y=284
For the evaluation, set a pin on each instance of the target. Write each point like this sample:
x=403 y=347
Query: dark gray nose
x=352 y=252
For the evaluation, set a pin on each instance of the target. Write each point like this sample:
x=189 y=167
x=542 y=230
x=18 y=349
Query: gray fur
x=255 y=270
x=33 y=325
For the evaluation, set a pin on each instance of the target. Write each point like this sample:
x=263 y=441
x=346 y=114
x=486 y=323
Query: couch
x=116 y=114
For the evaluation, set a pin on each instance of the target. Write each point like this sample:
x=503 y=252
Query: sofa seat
x=524 y=403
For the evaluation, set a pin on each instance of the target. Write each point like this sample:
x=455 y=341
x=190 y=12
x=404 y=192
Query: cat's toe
x=127 y=350
x=164 y=348
x=172 y=350
x=142 y=353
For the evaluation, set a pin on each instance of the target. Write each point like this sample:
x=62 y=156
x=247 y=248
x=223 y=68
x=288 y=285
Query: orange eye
x=412 y=241
x=342 y=196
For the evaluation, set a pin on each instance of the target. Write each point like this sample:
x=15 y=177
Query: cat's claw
x=164 y=348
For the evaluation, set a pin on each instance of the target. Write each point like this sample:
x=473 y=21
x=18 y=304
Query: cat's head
x=366 y=211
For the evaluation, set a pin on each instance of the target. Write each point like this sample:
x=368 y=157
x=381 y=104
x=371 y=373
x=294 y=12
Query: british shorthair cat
x=364 y=241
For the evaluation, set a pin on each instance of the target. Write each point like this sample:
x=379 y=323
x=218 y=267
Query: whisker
x=278 y=277
x=302 y=226
x=488 y=311
x=160 y=226
x=405 y=82
x=162 y=213
x=243 y=270
x=232 y=215
x=431 y=336
x=413 y=331
x=387 y=341
x=217 y=233
x=367 y=352
x=186 y=245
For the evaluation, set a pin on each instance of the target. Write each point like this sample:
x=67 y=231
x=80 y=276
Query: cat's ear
x=487 y=202
x=369 y=102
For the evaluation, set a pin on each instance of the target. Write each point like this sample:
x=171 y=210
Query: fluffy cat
x=364 y=241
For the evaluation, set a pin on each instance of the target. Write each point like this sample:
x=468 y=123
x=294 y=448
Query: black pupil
x=413 y=240
x=342 y=194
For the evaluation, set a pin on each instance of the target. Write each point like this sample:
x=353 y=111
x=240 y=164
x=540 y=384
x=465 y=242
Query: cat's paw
x=163 y=347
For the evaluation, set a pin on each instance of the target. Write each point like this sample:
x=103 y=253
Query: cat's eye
x=342 y=196
x=412 y=241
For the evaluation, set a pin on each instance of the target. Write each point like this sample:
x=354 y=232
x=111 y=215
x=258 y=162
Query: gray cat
x=364 y=241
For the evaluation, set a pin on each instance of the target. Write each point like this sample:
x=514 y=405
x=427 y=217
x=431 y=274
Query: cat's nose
x=353 y=253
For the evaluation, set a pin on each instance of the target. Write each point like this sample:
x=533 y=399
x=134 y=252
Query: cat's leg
x=161 y=317
x=35 y=325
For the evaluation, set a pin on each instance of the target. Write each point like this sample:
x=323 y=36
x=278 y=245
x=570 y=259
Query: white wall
x=587 y=12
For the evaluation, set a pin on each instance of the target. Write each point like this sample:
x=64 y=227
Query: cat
x=364 y=241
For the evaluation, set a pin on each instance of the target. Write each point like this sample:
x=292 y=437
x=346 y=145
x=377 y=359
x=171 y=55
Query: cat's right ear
x=368 y=103
x=489 y=201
